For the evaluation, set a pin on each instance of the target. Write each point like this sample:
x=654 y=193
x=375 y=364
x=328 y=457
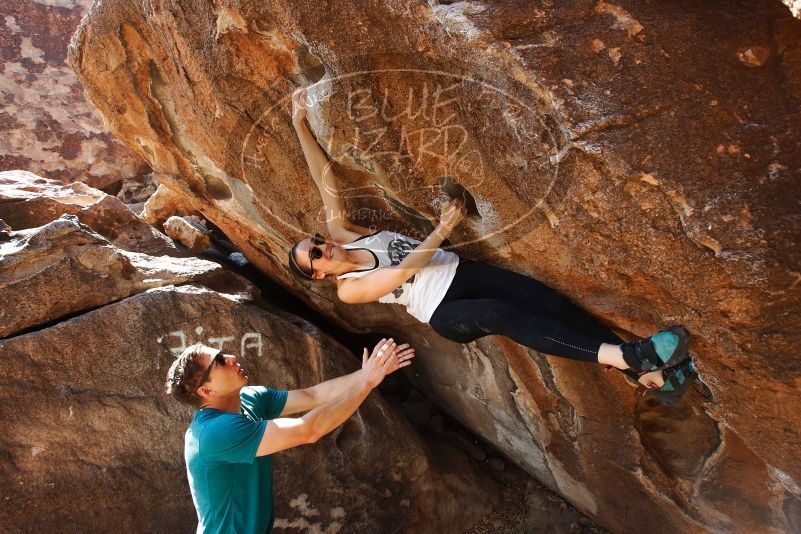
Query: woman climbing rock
x=464 y=300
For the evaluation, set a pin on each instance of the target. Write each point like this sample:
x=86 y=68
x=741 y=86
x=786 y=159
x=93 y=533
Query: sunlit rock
x=619 y=152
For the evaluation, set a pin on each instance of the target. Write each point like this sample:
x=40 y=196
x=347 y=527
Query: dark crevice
x=53 y=322
x=309 y=65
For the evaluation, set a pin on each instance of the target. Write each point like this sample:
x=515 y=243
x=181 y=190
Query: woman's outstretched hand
x=453 y=211
x=299 y=106
x=376 y=366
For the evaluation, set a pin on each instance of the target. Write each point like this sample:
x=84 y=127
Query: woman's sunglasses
x=315 y=253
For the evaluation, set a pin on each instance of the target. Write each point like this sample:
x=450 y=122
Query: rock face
x=642 y=160
x=134 y=193
x=86 y=425
x=189 y=232
x=85 y=271
x=46 y=124
x=795 y=6
x=166 y=203
x=29 y=201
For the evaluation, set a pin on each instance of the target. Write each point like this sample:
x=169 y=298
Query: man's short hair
x=184 y=375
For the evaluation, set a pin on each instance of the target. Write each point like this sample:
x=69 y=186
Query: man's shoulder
x=260 y=402
x=211 y=421
x=258 y=392
x=207 y=426
x=219 y=437
x=251 y=390
x=250 y=393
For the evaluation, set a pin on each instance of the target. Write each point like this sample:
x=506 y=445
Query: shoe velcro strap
x=673 y=378
x=645 y=351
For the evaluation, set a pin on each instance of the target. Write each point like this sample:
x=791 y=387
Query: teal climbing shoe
x=677 y=379
x=663 y=349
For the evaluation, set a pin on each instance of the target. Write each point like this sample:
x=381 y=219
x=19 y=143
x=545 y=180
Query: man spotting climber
x=237 y=427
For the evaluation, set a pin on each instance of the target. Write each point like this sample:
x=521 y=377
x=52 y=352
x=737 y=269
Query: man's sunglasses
x=219 y=359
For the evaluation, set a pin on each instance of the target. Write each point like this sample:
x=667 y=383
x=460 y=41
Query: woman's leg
x=475 y=280
x=538 y=317
x=466 y=320
x=481 y=280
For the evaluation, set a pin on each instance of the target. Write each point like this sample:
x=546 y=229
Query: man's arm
x=322 y=173
x=281 y=434
x=303 y=400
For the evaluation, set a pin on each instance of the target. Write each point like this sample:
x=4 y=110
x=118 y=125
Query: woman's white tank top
x=423 y=292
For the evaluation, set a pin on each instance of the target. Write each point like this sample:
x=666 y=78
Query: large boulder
x=29 y=201
x=46 y=124
x=188 y=232
x=70 y=248
x=165 y=203
x=91 y=443
x=64 y=267
x=639 y=159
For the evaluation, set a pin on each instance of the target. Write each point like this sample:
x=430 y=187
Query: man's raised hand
x=392 y=355
x=403 y=357
x=377 y=366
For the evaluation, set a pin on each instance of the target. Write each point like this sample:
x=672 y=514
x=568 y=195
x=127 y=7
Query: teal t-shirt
x=233 y=489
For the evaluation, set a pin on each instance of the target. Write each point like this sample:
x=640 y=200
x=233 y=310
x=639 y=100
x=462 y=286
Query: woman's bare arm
x=340 y=228
x=375 y=285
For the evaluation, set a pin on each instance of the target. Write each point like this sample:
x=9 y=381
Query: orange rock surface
x=635 y=156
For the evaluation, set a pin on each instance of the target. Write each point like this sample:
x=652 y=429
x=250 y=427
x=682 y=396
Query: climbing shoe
x=663 y=349
x=677 y=379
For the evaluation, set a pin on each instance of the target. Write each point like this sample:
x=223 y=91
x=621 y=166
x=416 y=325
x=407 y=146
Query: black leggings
x=484 y=300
